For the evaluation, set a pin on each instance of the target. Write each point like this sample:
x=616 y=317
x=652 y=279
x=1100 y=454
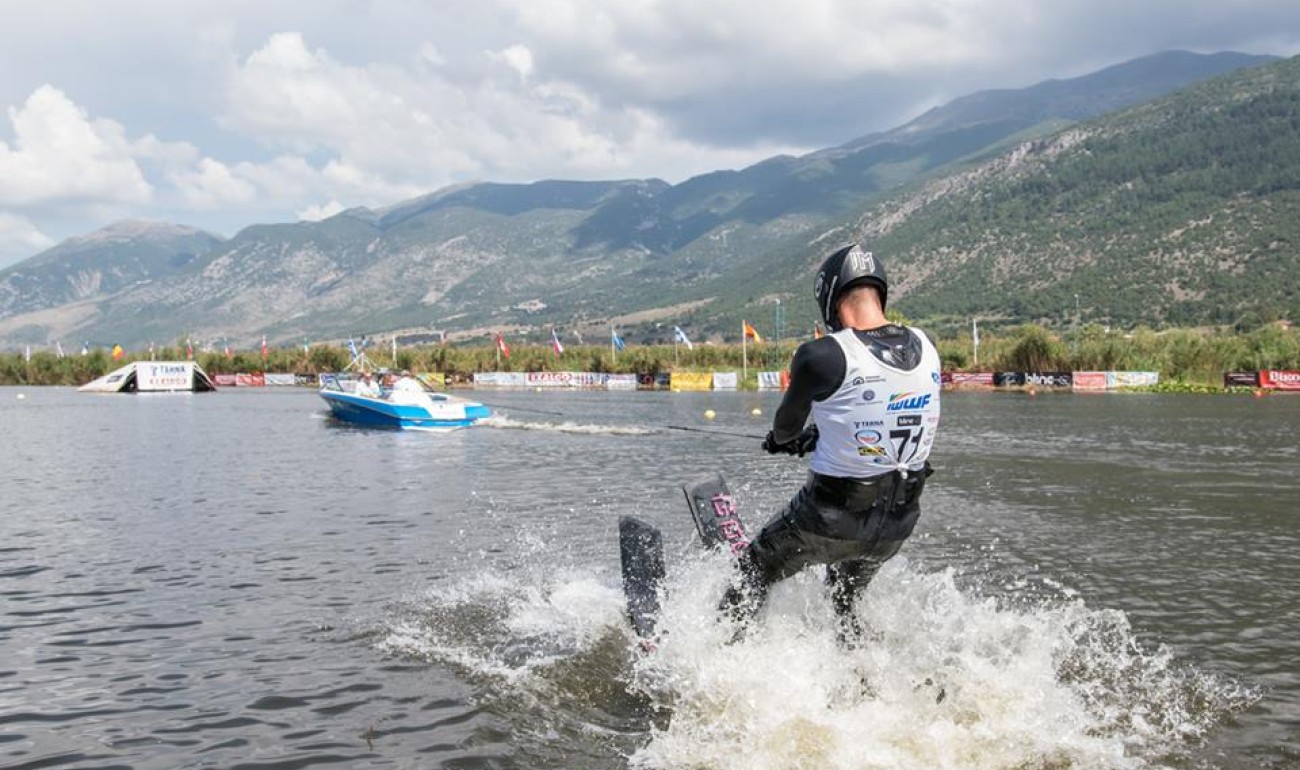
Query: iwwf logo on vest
x=908 y=401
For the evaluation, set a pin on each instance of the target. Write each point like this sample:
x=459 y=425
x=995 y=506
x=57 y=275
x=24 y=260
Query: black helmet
x=848 y=267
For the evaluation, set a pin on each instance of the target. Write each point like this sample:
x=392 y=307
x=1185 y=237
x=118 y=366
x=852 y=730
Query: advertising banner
x=564 y=380
x=1276 y=379
x=1008 y=379
x=621 y=381
x=1132 y=379
x=1089 y=380
x=254 y=380
x=154 y=376
x=984 y=379
x=692 y=380
x=1049 y=379
x=276 y=379
x=1241 y=379
x=499 y=379
x=725 y=380
x=432 y=379
x=770 y=381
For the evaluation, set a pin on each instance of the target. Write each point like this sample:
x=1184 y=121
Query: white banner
x=499 y=379
x=279 y=379
x=564 y=380
x=620 y=381
x=725 y=380
x=1131 y=379
x=769 y=380
x=173 y=375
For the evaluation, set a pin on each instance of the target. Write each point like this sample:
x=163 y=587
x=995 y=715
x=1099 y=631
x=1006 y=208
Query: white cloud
x=212 y=184
x=19 y=238
x=60 y=154
x=316 y=213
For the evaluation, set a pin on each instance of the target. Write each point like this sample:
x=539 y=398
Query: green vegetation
x=1187 y=359
x=1179 y=212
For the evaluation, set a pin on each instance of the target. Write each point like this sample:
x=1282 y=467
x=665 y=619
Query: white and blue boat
x=403 y=409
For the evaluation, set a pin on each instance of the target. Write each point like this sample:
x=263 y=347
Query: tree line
x=1181 y=355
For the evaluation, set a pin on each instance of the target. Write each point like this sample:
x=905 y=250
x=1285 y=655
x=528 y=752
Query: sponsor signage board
x=153 y=376
x=1088 y=380
x=1279 y=379
x=1241 y=379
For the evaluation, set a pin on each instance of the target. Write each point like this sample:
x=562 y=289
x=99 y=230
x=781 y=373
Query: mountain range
x=1157 y=191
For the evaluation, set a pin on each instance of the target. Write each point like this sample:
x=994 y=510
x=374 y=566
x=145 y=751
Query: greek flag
x=616 y=340
x=682 y=338
x=352 y=349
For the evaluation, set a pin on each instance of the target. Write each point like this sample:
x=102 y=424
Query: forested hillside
x=1182 y=211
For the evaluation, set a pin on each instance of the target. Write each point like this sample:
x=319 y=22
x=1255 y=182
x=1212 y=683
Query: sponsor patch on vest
x=908 y=401
x=867 y=437
x=909 y=420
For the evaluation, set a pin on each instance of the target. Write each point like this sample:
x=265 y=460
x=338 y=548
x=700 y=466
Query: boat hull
x=440 y=414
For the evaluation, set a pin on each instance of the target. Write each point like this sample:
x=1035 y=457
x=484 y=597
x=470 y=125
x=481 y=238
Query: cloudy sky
x=223 y=114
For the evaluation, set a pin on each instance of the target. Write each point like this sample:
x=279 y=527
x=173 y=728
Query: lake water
x=233 y=580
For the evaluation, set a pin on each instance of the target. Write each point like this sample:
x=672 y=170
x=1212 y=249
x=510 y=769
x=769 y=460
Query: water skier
x=872 y=388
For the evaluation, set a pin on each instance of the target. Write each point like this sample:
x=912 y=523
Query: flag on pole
x=681 y=337
x=750 y=331
x=229 y=353
x=189 y=348
x=263 y=348
x=975 y=338
x=555 y=343
x=151 y=350
x=28 y=355
x=118 y=352
x=85 y=348
x=352 y=349
x=502 y=347
x=616 y=340
x=59 y=347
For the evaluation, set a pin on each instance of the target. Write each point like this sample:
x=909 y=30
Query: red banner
x=254 y=380
x=1276 y=379
x=1089 y=380
x=958 y=379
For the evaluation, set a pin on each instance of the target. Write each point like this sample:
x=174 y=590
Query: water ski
x=714 y=511
x=641 y=548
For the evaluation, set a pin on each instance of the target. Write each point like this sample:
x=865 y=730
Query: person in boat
x=872 y=389
x=366 y=386
x=405 y=383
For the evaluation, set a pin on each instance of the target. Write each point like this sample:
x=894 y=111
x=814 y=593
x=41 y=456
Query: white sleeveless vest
x=881 y=419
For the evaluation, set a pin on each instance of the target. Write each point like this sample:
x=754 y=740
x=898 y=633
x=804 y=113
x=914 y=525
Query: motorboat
x=404 y=408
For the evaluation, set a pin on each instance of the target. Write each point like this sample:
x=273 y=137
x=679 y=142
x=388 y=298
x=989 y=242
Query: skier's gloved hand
x=807 y=440
x=799 y=445
x=774 y=447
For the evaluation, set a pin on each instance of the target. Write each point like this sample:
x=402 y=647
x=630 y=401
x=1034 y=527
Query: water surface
x=233 y=580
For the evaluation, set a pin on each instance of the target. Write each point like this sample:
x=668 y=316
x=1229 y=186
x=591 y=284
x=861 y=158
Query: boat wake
x=946 y=677
x=498 y=421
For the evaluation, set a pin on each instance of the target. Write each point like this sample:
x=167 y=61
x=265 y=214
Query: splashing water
x=498 y=421
x=945 y=677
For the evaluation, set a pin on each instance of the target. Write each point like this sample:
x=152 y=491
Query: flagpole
x=613 y=349
x=744 y=352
